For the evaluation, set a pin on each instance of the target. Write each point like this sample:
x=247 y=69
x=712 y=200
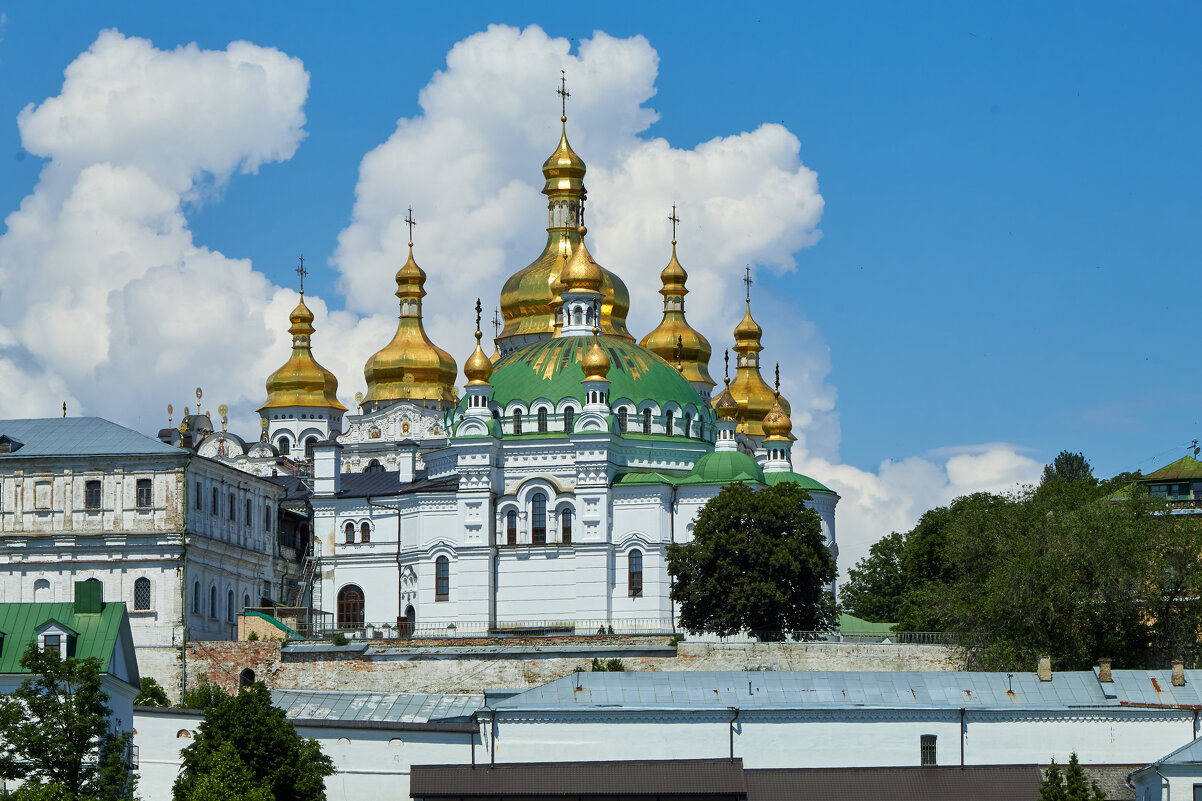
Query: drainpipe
x=1194 y=733
x=735 y=711
x=183 y=645
x=672 y=538
x=492 y=739
x=1168 y=788
x=962 y=733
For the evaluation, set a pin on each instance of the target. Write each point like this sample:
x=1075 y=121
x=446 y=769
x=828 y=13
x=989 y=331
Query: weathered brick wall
x=460 y=666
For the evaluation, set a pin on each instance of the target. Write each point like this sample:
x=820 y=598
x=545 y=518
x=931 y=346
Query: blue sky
x=1009 y=233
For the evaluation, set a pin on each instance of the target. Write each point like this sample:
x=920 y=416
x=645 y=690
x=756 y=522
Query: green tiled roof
x=1186 y=467
x=551 y=369
x=98 y=633
x=805 y=482
x=724 y=467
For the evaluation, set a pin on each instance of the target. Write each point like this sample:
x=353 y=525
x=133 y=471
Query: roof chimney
x=1178 y=673
x=1044 y=671
x=1104 y=670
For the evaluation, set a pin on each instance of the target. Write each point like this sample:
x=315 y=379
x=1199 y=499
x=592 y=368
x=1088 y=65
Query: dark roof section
x=295 y=487
x=952 y=783
x=698 y=778
x=388 y=482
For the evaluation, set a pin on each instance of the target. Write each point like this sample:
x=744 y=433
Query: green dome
x=805 y=482
x=551 y=369
x=724 y=467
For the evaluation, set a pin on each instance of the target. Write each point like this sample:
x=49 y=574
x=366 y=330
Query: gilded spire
x=478 y=367
x=410 y=367
x=777 y=425
x=754 y=396
x=301 y=381
x=674 y=340
x=725 y=405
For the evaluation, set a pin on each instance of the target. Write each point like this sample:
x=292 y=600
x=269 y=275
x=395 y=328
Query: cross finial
x=478 y=307
x=410 y=222
x=679 y=349
x=747 y=280
x=496 y=322
x=564 y=94
x=778 y=379
x=726 y=359
x=674 y=220
x=302 y=272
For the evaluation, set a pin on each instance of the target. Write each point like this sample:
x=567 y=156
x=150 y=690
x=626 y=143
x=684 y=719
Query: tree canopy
x=758 y=562
x=55 y=733
x=246 y=748
x=1073 y=785
x=1062 y=568
x=876 y=586
x=1068 y=467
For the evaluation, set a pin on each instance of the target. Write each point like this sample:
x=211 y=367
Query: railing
x=508 y=628
x=836 y=637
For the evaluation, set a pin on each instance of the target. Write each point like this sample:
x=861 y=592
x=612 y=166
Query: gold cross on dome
x=747 y=280
x=302 y=272
x=674 y=220
x=410 y=222
x=478 y=307
x=563 y=93
x=496 y=322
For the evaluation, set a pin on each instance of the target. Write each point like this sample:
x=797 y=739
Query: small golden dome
x=410 y=367
x=563 y=169
x=674 y=340
x=581 y=273
x=478 y=367
x=302 y=381
x=750 y=391
x=596 y=362
x=725 y=405
x=748 y=332
x=777 y=424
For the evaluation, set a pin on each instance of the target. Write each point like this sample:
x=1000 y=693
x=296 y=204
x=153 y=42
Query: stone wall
x=470 y=666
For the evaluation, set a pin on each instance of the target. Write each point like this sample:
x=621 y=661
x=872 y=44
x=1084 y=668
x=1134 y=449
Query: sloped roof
x=930 y=783
x=1185 y=467
x=381 y=707
x=79 y=436
x=98 y=635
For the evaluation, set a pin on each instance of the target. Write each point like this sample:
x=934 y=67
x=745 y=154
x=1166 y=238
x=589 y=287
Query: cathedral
x=544 y=495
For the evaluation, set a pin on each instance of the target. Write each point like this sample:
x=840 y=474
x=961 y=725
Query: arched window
x=213 y=602
x=245 y=601
x=517 y=421
x=350 y=607
x=365 y=532
x=196 y=607
x=350 y=533
x=511 y=528
x=309 y=443
x=246 y=678
x=284 y=446
x=538 y=519
x=230 y=611
x=542 y=421
x=565 y=526
x=41 y=591
x=623 y=420
x=569 y=420
x=646 y=421
x=634 y=574
x=442 y=579
x=142 y=594
x=668 y=422
x=374 y=466
x=688 y=424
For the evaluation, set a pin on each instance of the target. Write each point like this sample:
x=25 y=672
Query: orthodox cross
x=674 y=220
x=778 y=379
x=564 y=94
x=496 y=323
x=747 y=280
x=478 y=315
x=410 y=222
x=302 y=272
x=726 y=359
x=679 y=348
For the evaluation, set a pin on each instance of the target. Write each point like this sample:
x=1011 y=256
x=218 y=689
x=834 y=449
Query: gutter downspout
x=492 y=739
x=672 y=539
x=1168 y=788
x=183 y=590
x=963 y=731
x=735 y=710
x=1194 y=733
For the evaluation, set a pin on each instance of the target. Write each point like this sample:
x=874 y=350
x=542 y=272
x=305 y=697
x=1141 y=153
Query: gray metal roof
x=855 y=689
x=378 y=707
x=78 y=436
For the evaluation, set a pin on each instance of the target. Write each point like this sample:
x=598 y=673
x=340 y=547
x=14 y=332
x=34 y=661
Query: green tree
x=203 y=695
x=55 y=733
x=757 y=562
x=263 y=741
x=876 y=586
x=152 y=694
x=227 y=779
x=1068 y=467
x=1074 y=785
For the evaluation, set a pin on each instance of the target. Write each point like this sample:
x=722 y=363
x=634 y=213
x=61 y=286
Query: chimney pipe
x=1178 y=673
x=1044 y=670
x=1104 y=670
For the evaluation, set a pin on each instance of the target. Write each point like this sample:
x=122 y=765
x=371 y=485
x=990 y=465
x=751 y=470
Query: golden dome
x=595 y=362
x=527 y=296
x=302 y=381
x=777 y=424
x=478 y=367
x=581 y=273
x=674 y=340
x=750 y=391
x=410 y=367
x=725 y=405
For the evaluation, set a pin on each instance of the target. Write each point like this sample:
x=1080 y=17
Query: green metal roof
x=650 y=477
x=551 y=369
x=273 y=621
x=1186 y=467
x=805 y=482
x=98 y=633
x=724 y=467
x=850 y=624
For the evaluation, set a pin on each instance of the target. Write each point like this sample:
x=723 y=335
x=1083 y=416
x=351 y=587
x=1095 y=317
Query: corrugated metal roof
x=96 y=633
x=380 y=707
x=855 y=689
x=78 y=436
x=639 y=778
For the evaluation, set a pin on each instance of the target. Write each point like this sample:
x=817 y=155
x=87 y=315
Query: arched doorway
x=408 y=624
x=246 y=678
x=350 y=607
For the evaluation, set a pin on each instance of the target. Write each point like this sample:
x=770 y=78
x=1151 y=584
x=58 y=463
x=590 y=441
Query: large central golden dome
x=527 y=297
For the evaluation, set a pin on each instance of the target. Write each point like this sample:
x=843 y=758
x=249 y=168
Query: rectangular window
x=52 y=642
x=247 y=518
x=91 y=495
x=442 y=579
x=267 y=519
x=1197 y=792
x=145 y=493
x=634 y=574
x=926 y=750
x=42 y=495
x=200 y=505
x=233 y=507
x=213 y=509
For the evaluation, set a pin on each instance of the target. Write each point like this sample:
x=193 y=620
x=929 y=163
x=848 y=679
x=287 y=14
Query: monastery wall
x=449 y=666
